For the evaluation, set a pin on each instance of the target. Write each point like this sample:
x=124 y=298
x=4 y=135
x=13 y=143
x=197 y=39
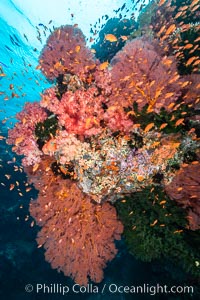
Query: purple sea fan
x=139 y=73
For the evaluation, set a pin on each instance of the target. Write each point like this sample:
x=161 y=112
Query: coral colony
x=113 y=147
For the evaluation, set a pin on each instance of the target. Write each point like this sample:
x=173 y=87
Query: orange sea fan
x=77 y=234
x=185 y=190
x=139 y=73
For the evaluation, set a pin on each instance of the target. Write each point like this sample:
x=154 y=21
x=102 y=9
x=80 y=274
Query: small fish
x=111 y=38
x=170 y=29
x=188 y=46
x=178 y=15
x=149 y=127
x=168 y=95
x=178 y=231
x=140 y=178
x=162 y=202
x=191 y=60
x=163 y=126
x=104 y=65
x=19 y=140
x=77 y=48
x=197 y=62
x=179 y=122
x=35 y=167
x=161 y=2
x=195 y=8
x=154 y=223
x=124 y=37
x=14 y=95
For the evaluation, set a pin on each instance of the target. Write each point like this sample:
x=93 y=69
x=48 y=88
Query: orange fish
x=178 y=231
x=190 y=60
x=163 y=126
x=140 y=178
x=149 y=127
x=161 y=2
x=195 y=8
x=168 y=95
x=194 y=2
x=178 y=14
x=162 y=202
x=188 y=46
x=154 y=223
x=19 y=140
x=124 y=37
x=12 y=187
x=77 y=49
x=111 y=38
x=196 y=62
x=170 y=29
x=104 y=65
x=179 y=122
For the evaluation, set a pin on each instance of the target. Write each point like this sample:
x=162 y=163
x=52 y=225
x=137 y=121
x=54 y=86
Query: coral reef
x=124 y=134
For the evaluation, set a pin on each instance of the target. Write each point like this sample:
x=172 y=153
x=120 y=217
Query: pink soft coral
x=23 y=135
x=117 y=119
x=81 y=112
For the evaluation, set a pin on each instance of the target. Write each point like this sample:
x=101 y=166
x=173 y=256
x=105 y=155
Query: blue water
x=21 y=263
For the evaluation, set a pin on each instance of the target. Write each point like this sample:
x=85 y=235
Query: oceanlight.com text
x=112 y=288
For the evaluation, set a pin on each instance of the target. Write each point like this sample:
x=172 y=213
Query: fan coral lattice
x=78 y=235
